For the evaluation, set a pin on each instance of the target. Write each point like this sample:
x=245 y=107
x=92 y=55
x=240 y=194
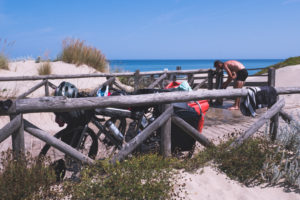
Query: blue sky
x=168 y=29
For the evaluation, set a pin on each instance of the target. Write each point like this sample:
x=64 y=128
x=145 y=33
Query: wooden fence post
x=162 y=83
x=210 y=82
x=271 y=77
x=274 y=122
x=191 y=80
x=136 y=80
x=46 y=87
x=219 y=83
x=152 y=78
x=166 y=135
x=18 y=144
x=174 y=78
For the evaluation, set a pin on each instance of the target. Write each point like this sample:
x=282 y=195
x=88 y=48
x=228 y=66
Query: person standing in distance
x=236 y=71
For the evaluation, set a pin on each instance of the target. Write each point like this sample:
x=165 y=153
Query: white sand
x=30 y=68
x=208 y=185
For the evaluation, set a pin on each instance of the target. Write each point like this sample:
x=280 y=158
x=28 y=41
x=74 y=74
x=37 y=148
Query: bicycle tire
x=59 y=165
x=93 y=150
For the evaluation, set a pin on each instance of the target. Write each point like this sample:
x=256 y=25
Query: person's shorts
x=241 y=75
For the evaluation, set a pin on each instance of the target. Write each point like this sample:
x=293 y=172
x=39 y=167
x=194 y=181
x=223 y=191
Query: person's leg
x=236 y=105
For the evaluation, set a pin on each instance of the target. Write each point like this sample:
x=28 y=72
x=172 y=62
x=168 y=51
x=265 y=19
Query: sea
x=186 y=64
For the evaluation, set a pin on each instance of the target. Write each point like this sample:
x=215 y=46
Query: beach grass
x=45 y=68
x=287 y=62
x=3 y=61
x=4 y=44
x=77 y=52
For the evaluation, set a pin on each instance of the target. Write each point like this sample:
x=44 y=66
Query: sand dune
x=30 y=68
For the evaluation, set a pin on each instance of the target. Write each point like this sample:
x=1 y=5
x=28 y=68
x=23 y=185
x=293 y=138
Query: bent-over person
x=236 y=71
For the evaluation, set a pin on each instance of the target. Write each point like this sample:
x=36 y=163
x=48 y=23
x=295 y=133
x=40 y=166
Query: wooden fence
x=155 y=77
x=22 y=105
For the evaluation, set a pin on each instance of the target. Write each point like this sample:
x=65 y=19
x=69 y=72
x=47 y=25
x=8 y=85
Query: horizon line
x=197 y=59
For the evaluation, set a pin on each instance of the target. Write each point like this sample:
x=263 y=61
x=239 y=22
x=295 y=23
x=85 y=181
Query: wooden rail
x=51 y=77
x=62 y=104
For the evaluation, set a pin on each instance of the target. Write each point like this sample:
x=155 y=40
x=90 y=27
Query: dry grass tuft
x=77 y=52
x=3 y=57
x=45 y=68
x=3 y=62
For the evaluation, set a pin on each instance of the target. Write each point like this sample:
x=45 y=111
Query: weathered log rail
x=189 y=75
x=62 y=104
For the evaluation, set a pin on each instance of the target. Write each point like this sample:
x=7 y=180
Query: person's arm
x=231 y=76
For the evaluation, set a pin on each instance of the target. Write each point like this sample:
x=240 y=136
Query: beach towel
x=258 y=97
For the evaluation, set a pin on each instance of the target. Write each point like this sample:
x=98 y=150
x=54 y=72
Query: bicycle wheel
x=88 y=146
x=66 y=136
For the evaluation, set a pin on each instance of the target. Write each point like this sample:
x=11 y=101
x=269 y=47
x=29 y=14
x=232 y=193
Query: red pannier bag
x=201 y=106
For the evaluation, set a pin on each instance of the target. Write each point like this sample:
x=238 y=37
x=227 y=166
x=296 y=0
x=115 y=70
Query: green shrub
x=243 y=164
x=141 y=177
x=3 y=62
x=25 y=178
x=287 y=62
x=77 y=52
x=45 y=68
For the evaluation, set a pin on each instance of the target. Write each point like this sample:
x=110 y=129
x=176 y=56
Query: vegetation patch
x=3 y=61
x=45 y=68
x=141 y=177
x=287 y=62
x=243 y=164
x=25 y=178
x=3 y=57
x=77 y=52
x=150 y=176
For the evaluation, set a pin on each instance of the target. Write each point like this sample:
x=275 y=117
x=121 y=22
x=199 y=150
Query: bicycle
x=80 y=136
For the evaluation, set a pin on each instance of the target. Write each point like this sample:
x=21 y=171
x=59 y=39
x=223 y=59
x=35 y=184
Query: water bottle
x=144 y=122
x=114 y=130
